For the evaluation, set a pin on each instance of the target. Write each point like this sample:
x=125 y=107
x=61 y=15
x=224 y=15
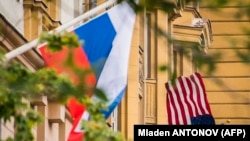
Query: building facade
x=189 y=24
x=230 y=100
x=22 y=21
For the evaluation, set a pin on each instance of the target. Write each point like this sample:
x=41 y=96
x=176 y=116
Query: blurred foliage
x=164 y=5
x=19 y=85
x=55 y=42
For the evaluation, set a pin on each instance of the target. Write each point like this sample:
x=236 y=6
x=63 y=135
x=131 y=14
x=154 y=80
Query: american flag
x=187 y=102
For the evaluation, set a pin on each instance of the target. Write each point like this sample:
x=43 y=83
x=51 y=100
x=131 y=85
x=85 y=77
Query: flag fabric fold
x=187 y=102
x=106 y=49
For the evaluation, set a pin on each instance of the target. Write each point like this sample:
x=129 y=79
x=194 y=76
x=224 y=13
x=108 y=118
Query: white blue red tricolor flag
x=106 y=49
x=187 y=102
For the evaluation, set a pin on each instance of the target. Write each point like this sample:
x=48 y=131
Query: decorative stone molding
x=192 y=35
x=192 y=29
x=150 y=101
x=56 y=112
x=41 y=101
x=35 y=4
x=141 y=72
x=41 y=6
x=176 y=12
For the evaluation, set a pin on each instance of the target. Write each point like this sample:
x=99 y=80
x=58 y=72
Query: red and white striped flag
x=187 y=102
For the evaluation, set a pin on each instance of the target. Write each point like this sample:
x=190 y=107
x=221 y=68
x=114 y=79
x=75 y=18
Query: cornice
x=49 y=22
x=199 y=30
x=177 y=12
x=10 y=38
x=35 y=4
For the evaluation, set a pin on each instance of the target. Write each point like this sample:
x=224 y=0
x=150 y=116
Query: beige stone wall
x=40 y=16
x=55 y=126
x=57 y=123
x=144 y=101
x=229 y=99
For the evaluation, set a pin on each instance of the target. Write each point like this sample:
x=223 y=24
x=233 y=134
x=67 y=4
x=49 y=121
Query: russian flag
x=106 y=49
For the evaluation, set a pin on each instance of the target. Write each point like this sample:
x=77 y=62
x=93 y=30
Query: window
x=150 y=47
x=177 y=61
x=89 y=4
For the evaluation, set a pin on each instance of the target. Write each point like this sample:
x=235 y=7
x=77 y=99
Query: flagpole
x=21 y=49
